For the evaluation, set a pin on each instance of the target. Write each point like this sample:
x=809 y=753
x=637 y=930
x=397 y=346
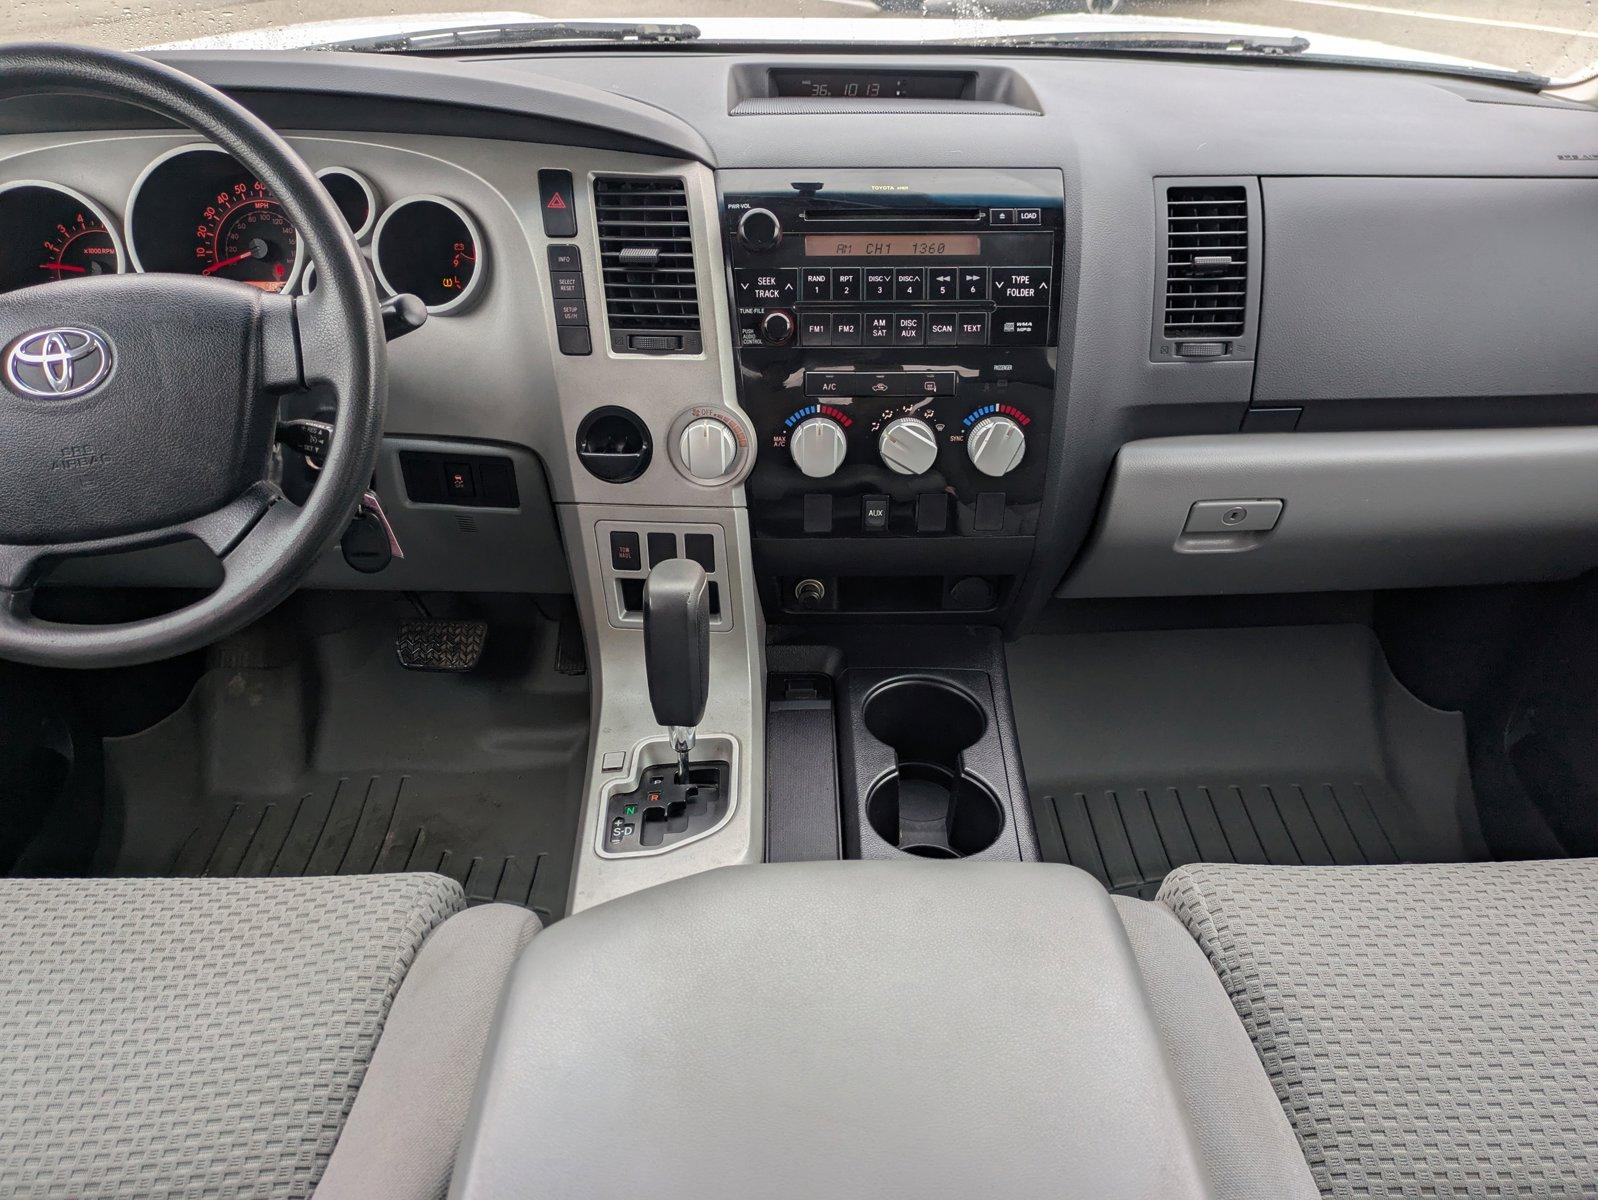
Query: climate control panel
x=896 y=335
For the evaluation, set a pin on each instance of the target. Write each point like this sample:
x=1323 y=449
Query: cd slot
x=824 y=216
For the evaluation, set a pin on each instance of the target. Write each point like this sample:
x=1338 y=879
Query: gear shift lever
x=677 y=650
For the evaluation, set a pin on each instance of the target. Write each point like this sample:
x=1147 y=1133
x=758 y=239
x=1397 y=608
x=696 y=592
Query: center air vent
x=1207 y=271
x=647 y=253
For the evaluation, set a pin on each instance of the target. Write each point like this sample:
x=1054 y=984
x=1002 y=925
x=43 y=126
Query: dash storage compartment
x=924 y=769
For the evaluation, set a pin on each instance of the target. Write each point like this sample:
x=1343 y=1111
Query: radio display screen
x=901 y=245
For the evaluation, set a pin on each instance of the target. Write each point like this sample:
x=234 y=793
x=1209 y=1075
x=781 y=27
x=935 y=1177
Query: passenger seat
x=1430 y=1030
x=243 y=1037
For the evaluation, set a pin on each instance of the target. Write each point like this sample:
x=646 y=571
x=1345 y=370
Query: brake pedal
x=434 y=644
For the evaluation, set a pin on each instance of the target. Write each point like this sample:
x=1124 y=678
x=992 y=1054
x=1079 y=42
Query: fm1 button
x=815 y=329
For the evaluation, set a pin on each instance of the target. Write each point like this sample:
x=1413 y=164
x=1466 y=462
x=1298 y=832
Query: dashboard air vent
x=646 y=252
x=1206 y=262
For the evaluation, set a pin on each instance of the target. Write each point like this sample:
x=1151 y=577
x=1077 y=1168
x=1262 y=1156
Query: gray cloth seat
x=1430 y=1030
x=242 y=1037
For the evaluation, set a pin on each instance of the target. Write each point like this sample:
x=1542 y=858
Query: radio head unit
x=897 y=338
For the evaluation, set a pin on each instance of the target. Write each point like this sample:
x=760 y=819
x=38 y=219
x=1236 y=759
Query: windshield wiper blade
x=1178 y=43
x=509 y=36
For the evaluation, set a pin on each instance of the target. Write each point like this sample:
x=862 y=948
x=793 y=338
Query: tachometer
x=196 y=210
x=53 y=232
x=430 y=247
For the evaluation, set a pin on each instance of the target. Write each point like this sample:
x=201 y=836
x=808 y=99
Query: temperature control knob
x=818 y=447
x=776 y=327
x=708 y=449
x=996 y=446
x=759 y=229
x=908 y=445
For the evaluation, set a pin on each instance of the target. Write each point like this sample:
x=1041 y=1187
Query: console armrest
x=833 y=1030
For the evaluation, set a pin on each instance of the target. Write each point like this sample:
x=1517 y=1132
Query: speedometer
x=53 y=232
x=196 y=210
x=244 y=234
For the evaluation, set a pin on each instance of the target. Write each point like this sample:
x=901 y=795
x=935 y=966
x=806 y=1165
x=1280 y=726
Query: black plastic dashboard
x=1417 y=251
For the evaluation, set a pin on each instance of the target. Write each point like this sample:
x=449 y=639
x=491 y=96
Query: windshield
x=1556 y=39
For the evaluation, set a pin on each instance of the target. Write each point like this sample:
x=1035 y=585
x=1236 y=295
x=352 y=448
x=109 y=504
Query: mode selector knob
x=996 y=446
x=708 y=449
x=759 y=229
x=776 y=327
x=818 y=446
x=908 y=445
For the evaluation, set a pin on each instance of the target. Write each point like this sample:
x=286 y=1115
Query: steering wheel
x=139 y=410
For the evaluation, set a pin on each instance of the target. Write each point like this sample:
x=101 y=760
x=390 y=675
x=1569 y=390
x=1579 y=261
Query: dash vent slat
x=1206 y=262
x=647 y=262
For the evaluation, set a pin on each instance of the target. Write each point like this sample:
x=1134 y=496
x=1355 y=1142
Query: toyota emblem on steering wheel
x=55 y=364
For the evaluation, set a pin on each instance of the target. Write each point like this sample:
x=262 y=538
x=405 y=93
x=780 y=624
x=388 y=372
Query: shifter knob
x=677 y=649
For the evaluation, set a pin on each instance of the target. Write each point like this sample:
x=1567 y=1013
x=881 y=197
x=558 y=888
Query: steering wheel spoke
x=222 y=531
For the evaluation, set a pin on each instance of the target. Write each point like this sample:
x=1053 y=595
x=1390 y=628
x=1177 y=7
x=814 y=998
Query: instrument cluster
x=195 y=210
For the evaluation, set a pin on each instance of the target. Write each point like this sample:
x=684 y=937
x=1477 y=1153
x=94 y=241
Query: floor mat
x=1144 y=751
x=310 y=751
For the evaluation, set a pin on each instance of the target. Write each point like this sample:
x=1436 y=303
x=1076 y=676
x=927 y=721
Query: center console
x=850 y=1030
x=895 y=334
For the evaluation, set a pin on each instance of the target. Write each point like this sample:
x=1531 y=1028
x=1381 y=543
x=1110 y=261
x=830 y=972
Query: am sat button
x=1022 y=285
x=1020 y=327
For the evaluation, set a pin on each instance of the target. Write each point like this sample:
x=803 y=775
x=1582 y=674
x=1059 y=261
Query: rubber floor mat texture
x=371 y=824
x=1132 y=837
x=307 y=749
x=1145 y=751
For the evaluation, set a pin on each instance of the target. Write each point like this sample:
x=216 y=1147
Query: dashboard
x=943 y=336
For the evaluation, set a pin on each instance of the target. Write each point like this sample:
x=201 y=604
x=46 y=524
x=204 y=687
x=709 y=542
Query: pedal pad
x=433 y=644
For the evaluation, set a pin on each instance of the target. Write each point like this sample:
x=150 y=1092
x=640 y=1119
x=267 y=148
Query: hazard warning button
x=558 y=204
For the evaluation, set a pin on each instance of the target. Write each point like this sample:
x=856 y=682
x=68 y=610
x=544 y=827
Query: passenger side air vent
x=646 y=252
x=1210 y=274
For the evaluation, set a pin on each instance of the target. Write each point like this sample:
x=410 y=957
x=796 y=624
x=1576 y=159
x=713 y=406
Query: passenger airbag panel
x=1385 y=288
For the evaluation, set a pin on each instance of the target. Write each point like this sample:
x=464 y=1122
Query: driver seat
x=243 y=1037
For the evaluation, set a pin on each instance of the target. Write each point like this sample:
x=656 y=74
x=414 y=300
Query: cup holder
x=928 y=806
